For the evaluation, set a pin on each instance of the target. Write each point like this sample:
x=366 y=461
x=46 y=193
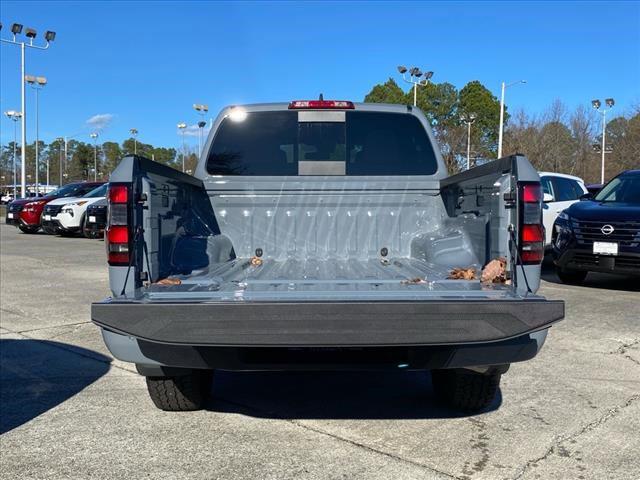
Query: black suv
x=601 y=233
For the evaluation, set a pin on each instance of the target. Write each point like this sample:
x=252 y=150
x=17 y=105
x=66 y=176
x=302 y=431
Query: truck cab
x=323 y=235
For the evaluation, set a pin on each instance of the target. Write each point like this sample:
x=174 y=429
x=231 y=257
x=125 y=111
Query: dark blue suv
x=601 y=233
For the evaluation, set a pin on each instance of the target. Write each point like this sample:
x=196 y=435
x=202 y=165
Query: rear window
x=348 y=143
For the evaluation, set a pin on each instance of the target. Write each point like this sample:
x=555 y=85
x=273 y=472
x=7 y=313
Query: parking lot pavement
x=69 y=411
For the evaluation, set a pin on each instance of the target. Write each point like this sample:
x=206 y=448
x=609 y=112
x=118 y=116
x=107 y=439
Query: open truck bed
x=297 y=260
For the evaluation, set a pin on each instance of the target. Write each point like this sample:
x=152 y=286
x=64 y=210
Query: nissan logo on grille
x=607 y=229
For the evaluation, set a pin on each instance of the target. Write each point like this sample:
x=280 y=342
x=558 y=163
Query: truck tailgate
x=353 y=323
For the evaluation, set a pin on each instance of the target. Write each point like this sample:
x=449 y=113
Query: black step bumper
x=324 y=324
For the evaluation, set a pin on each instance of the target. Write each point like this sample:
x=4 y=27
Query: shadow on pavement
x=330 y=395
x=38 y=375
x=594 y=279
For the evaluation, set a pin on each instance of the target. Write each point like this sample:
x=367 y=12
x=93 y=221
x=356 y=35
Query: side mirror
x=547 y=197
x=586 y=196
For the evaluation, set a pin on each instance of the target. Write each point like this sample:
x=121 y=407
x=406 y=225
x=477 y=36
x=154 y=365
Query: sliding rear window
x=353 y=143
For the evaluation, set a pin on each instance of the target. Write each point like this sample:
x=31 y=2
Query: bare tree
x=582 y=124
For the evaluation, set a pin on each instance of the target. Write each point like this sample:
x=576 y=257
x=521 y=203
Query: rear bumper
x=320 y=324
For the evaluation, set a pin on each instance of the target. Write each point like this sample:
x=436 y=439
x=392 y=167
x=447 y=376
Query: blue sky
x=143 y=64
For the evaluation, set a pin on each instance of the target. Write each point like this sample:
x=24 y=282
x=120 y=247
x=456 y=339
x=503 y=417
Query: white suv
x=67 y=215
x=560 y=192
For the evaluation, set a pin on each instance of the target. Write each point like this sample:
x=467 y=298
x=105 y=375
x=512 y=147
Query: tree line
x=557 y=140
x=78 y=165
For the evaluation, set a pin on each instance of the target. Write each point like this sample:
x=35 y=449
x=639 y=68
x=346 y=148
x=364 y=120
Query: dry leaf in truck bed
x=168 y=282
x=413 y=281
x=495 y=271
x=462 y=274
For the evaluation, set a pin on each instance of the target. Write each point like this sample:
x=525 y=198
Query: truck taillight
x=118 y=232
x=321 y=105
x=531 y=231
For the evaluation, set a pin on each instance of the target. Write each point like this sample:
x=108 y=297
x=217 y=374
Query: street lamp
x=202 y=111
x=610 y=102
x=468 y=119
x=38 y=83
x=31 y=34
x=414 y=78
x=61 y=140
x=134 y=134
x=501 y=127
x=15 y=116
x=94 y=135
x=181 y=127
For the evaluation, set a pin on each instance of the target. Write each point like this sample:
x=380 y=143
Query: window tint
x=64 y=191
x=565 y=189
x=100 y=191
x=264 y=143
x=369 y=143
x=624 y=189
x=546 y=186
x=388 y=144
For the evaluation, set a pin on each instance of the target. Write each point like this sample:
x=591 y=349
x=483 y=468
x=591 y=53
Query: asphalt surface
x=68 y=410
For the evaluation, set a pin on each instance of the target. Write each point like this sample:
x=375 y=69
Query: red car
x=25 y=213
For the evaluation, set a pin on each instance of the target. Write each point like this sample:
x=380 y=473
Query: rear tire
x=571 y=277
x=465 y=390
x=182 y=393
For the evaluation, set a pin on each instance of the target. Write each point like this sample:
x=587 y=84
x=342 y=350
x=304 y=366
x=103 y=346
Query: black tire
x=465 y=390
x=29 y=230
x=183 y=393
x=571 y=277
x=83 y=226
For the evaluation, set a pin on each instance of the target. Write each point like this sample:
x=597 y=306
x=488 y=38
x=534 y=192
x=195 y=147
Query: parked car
x=14 y=208
x=29 y=211
x=560 y=192
x=6 y=198
x=601 y=233
x=12 y=215
x=67 y=215
x=594 y=188
x=96 y=219
x=323 y=235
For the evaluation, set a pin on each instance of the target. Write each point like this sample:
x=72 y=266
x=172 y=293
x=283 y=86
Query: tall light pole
x=134 y=134
x=414 y=78
x=202 y=111
x=181 y=127
x=501 y=127
x=468 y=119
x=30 y=33
x=38 y=83
x=610 y=102
x=15 y=116
x=61 y=140
x=94 y=135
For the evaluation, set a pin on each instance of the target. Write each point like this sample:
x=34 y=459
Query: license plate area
x=92 y=219
x=605 y=248
x=9 y=215
x=47 y=217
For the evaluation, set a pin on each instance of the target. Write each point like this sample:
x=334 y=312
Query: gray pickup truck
x=321 y=235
